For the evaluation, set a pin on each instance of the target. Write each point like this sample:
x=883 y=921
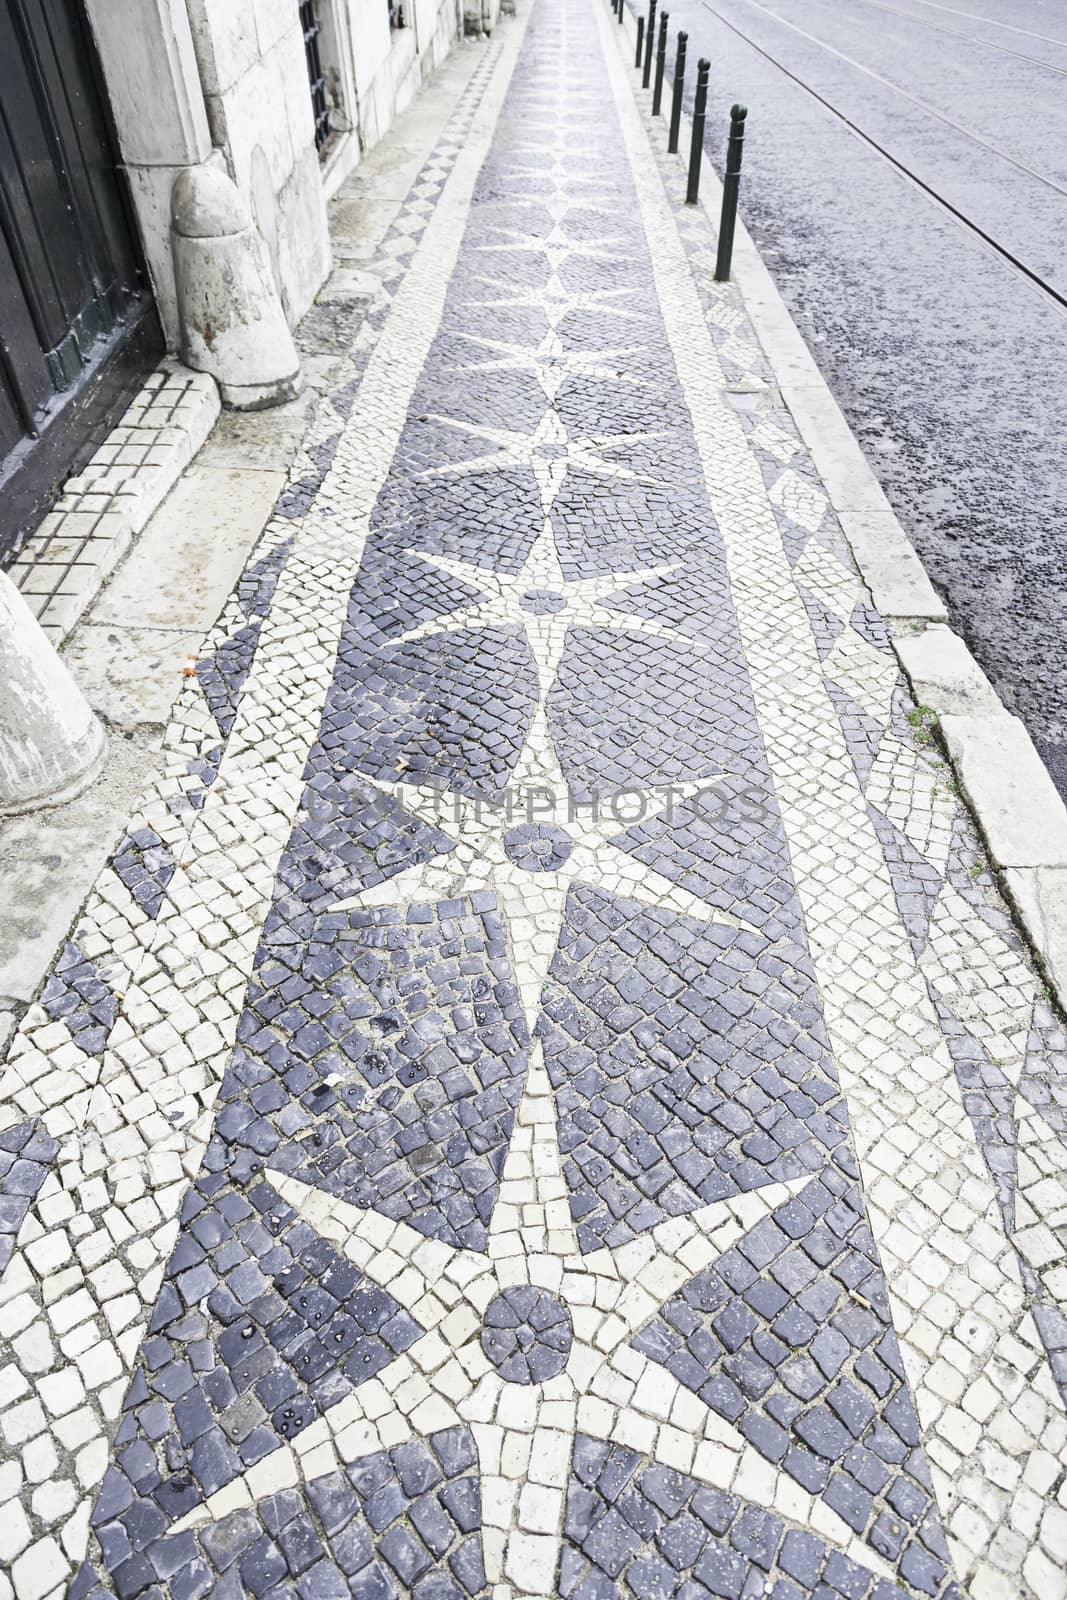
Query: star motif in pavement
x=541 y=600
x=556 y=301
x=586 y=1312
x=551 y=363
x=556 y=245
x=549 y=452
x=560 y=200
x=530 y=845
x=530 y=859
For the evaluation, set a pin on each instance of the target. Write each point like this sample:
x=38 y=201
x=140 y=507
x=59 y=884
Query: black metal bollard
x=661 y=62
x=622 y=9
x=640 y=41
x=646 y=76
x=696 y=148
x=731 y=183
x=679 y=89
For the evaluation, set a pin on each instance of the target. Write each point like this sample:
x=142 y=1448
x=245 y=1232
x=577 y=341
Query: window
x=320 y=106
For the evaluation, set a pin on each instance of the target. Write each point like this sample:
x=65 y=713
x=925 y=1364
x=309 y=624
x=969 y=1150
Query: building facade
x=104 y=104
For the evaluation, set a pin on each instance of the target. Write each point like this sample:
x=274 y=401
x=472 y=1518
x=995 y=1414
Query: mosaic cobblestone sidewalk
x=544 y=1099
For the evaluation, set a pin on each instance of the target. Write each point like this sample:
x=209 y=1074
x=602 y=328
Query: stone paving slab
x=64 y=563
x=544 y=1099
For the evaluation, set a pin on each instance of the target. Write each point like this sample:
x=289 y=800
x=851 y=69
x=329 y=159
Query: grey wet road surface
x=925 y=310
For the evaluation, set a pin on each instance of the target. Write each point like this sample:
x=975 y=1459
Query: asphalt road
x=939 y=333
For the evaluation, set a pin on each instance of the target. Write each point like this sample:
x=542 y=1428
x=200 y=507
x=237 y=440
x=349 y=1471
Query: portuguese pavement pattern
x=544 y=1100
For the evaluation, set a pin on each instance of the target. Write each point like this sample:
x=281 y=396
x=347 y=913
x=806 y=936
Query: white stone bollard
x=51 y=744
x=230 y=313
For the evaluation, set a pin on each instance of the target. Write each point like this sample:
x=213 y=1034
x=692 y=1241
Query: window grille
x=320 y=106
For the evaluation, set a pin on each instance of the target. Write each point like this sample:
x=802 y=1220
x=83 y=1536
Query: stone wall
x=375 y=70
x=254 y=77
x=186 y=77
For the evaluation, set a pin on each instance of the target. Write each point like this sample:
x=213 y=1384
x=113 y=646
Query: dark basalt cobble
x=538 y=846
x=398 y=591
x=916 y=884
x=398 y=1523
x=543 y=602
x=453 y=708
x=488 y=399
x=794 y=535
x=383 y=1060
x=146 y=865
x=648 y=1531
x=260 y=1327
x=223 y=671
x=605 y=524
x=989 y=1100
x=527 y=1334
x=693 y=718
x=202 y=769
x=489 y=518
x=727 y=846
x=969 y=873
x=587 y=406
x=867 y=622
x=1051 y=1325
x=863 y=733
x=697 y=720
x=27 y=1155
x=689 y=1063
x=78 y=995
x=1043 y=1080
x=257 y=583
x=348 y=837
x=826 y=627
x=789 y=1337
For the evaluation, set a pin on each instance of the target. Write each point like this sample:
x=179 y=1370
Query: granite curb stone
x=1039 y=895
x=1018 y=810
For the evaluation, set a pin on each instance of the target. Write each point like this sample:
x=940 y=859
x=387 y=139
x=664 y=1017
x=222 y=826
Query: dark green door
x=78 y=327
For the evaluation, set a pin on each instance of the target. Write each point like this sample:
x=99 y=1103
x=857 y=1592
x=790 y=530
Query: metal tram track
x=906 y=94
x=1058 y=297
x=992 y=22
x=973 y=38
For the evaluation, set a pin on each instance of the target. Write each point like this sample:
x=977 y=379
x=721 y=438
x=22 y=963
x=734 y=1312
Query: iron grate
x=320 y=106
